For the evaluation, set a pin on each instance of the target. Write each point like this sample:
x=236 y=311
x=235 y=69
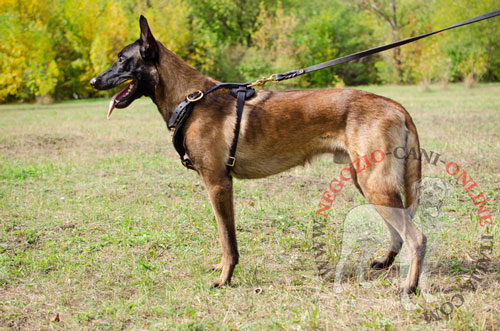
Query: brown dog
x=279 y=130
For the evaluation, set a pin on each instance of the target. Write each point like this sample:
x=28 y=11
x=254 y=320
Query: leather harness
x=181 y=113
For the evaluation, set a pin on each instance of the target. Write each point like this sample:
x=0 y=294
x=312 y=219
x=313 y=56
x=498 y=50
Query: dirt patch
x=44 y=144
x=52 y=141
x=50 y=145
x=22 y=314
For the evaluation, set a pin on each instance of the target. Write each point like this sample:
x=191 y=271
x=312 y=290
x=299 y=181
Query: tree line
x=52 y=48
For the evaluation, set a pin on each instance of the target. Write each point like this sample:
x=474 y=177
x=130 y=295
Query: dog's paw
x=404 y=289
x=218 y=283
x=380 y=265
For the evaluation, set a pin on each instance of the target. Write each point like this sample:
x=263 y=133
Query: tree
x=398 y=19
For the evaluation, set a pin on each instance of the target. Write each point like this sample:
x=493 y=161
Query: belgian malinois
x=279 y=130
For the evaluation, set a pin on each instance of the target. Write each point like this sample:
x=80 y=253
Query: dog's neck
x=176 y=80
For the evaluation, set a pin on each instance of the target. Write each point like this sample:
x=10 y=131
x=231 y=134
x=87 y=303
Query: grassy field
x=102 y=226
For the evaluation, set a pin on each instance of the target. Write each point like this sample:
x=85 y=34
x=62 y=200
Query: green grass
x=101 y=224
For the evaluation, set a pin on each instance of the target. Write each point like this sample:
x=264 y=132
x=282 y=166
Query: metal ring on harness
x=195 y=99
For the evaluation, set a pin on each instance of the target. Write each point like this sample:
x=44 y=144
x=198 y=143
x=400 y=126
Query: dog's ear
x=149 y=47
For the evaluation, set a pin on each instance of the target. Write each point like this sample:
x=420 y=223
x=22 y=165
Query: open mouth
x=124 y=97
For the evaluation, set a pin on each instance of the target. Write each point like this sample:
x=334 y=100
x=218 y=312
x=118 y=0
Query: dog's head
x=136 y=65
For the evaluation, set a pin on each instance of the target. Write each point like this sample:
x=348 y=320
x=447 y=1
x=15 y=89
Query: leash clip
x=263 y=81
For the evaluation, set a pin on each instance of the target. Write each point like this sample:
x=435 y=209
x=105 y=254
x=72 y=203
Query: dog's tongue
x=116 y=98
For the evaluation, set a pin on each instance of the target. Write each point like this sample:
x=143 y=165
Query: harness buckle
x=195 y=98
x=187 y=163
x=230 y=161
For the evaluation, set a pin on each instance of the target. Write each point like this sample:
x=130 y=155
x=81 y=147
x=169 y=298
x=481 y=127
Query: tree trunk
x=396 y=53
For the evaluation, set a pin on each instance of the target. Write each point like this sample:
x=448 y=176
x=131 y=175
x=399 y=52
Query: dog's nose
x=93 y=81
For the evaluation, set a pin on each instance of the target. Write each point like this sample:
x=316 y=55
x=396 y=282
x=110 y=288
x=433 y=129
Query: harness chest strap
x=242 y=93
x=184 y=109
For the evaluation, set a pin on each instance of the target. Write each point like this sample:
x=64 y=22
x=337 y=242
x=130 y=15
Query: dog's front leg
x=220 y=191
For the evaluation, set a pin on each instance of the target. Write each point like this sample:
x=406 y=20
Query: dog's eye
x=120 y=59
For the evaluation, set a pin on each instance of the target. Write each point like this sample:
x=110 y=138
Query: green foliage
x=474 y=51
x=273 y=50
x=336 y=31
x=53 y=48
x=229 y=20
x=27 y=60
x=90 y=42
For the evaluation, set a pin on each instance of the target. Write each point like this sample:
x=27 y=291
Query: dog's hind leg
x=220 y=191
x=387 y=201
x=396 y=240
x=395 y=248
x=381 y=183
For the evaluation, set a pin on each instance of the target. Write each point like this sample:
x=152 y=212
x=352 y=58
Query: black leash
x=243 y=91
x=371 y=51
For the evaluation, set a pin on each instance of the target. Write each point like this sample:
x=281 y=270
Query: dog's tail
x=413 y=168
